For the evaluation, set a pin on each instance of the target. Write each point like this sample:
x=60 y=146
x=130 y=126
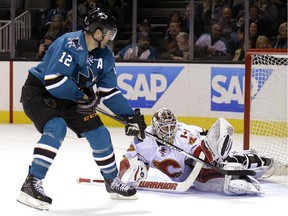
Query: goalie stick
x=244 y=172
x=164 y=186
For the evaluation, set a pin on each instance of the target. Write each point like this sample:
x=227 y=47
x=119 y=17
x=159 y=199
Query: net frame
x=282 y=162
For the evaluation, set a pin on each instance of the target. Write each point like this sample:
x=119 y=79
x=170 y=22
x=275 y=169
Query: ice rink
x=70 y=198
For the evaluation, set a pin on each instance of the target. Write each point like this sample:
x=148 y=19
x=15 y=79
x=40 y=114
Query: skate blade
x=27 y=200
x=116 y=196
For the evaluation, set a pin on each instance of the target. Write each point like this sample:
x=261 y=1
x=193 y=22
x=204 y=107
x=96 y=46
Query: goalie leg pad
x=135 y=171
x=240 y=185
x=251 y=160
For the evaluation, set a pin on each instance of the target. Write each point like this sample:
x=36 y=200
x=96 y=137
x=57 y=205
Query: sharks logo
x=85 y=78
x=75 y=42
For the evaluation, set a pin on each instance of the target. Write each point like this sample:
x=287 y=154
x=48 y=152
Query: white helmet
x=164 y=124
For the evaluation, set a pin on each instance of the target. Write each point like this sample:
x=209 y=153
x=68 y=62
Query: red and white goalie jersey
x=168 y=161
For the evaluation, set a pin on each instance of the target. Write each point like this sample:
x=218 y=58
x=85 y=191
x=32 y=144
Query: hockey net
x=266 y=110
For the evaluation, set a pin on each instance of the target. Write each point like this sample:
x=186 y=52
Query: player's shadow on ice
x=108 y=209
x=95 y=211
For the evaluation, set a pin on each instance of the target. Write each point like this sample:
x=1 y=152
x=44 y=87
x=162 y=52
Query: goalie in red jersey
x=216 y=144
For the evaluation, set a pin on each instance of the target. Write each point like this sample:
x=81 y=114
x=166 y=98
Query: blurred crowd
x=219 y=29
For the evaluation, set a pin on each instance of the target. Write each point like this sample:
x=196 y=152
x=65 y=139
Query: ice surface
x=75 y=159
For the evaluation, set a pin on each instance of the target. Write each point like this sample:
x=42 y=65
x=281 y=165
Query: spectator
x=169 y=49
x=175 y=16
x=67 y=25
x=46 y=42
x=61 y=8
x=56 y=27
x=281 y=42
x=185 y=23
x=253 y=34
x=213 y=44
x=269 y=16
x=240 y=21
x=145 y=26
x=143 y=49
x=240 y=49
x=173 y=30
x=254 y=16
x=216 y=10
x=229 y=28
x=84 y=7
x=183 y=44
x=238 y=8
x=263 y=42
x=203 y=11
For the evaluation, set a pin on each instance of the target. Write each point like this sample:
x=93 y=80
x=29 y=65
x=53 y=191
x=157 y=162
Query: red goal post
x=266 y=109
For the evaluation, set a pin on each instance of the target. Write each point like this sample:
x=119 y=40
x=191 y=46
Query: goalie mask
x=97 y=19
x=164 y=124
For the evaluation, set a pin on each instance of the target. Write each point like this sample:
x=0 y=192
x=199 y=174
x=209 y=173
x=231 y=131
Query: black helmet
x=97 y=19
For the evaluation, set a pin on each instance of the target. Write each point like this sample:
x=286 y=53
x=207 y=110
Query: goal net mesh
x=268 y=107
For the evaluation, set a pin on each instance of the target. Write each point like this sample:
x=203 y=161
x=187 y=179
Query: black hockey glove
x=89 y=105
x=190 y=162
x=137 y=130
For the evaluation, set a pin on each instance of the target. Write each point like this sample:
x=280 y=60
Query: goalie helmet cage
x=266 y=110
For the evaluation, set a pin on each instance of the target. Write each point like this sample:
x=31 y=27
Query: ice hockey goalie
x=216 y=145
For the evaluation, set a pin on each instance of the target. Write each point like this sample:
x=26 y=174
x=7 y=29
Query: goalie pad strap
x=252 y=161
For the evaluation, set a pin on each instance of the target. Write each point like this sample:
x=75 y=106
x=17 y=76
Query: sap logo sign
x=143 y=86
x=227 y=92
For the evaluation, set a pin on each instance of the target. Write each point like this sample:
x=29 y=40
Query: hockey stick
x=163 y=186
x=176 y=148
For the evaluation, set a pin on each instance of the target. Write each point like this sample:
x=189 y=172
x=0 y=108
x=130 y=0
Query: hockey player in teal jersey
x=77 y=72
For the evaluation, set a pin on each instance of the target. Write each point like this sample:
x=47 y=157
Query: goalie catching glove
x=89 y=103
x=136 y=125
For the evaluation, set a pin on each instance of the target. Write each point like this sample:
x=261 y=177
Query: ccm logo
x=86 y=118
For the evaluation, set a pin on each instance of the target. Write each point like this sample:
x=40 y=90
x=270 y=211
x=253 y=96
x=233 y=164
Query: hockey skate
x=119 y=190
x=32 y=194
